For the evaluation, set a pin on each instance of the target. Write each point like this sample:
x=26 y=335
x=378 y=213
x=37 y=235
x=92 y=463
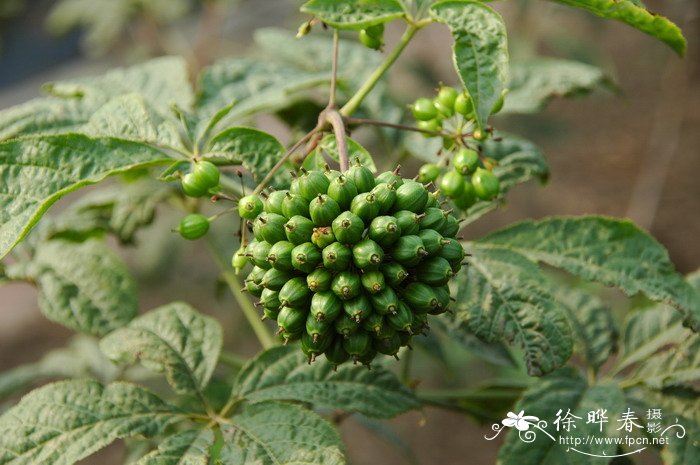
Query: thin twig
x=334 y=118
x=284 y=159
x=334 y=69
x=402 y=127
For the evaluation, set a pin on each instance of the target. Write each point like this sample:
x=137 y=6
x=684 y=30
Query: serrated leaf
x=256 y=85
x=595 y=331
x=37 y=171
x=533 y=83
x=635 y=15
x=680 y=366
x=64 y=422
x=354 y=14
x=83 y=286
x=283 y=373
x=458 y=331
x=256 y=150
x=329 y=146
x=121 y=210
x=504 y=296
x=275 y=433
x=480 y=51
x=682 y=451
x=174 y=339
x=130 y=117
x=81 y=358
x=606 y=250
x=190 y=447
x=564 y=389
x=70 y=104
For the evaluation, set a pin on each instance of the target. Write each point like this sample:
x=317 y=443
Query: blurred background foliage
x=629 y=151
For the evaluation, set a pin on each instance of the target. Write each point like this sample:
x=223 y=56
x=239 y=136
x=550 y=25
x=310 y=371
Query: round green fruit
x=368 y=41
x=452 y=184
x=323 y=210
x=367 y=254
x=250 y=206
x=348 y=228
x=193 y=226
x=319 y=280
x=465 y=161
x=424 y=109
x=486 y=184
x=428 y=173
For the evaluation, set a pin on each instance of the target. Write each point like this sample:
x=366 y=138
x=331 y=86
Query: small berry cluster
x=349 y=263
x=202 y=180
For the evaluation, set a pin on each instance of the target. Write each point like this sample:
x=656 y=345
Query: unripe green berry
x=207 y=174
x=373 y=281
x=311 y=184
x=394 y=274
x=336 y=353
x=465 y=161
x=390 y=177
x=463 y=104
x=342 y=189
x=486 y=184
x=358 y=308
x=194 y=226
x=274 y=279
x=367 y=254
x=346 y=285
x=357 y=343
x=368 y=41
x=385 y=302
x=239 y=259
x=192 y=187
x=402 y=319
x=365 y=206
x=446 y=97
x=434 y=218
x=420 y=297
x=411 y=196
x=408 y=221
x=273 y=203
x=348 y=228
x=326 y=306
x=408 y=251
x=361 y=176
x=385 y=195
x=305 y=257
x=435 y=271
x=345 y=325
x=433 y=125
x=292 y=320
x=280 y=256
x=295 y=205
x=428 y=173
x=384 y=230
x=250 y=206
x=319 y=280
x=270 y=227
x=322 y=237
x=467 y=198
x=452 y=184
x=424 y=109
x=336 y=257
x=323 y=210
x=295 y=293
x=432 y=241
x=298 y=229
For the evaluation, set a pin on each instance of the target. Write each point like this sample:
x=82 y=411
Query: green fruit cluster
x=351 y=264
x=202 y=180
x=467 y=182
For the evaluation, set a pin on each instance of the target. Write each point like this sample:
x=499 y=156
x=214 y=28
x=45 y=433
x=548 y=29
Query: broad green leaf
x=329 y=146
x=564 y=389
x=680 y=366
x=189 y=447
x=313 y=55
x=519 y=160
x=174 y=339
x=635 y=15
x=610 y=251
x=70 y=104
x=122 y=210
x=594 y=329
x=533 y=83
x=276 y=433
x=255 y=85
x=64 y=422
x=283 y=373
x=80 y=359
x=256 y=150
x=458 y=331
x=504 y=296
x=83 y=286
x=647 y=331
x=354 y=14
x=480 y=51
x=130 y=117
x=37 y=171
x=682 y=451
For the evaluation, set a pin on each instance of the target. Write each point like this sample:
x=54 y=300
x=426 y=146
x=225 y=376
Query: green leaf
x=635 y=15
x=610 y=251
x=130 y=117
x=480 y=51
x=256 y=150
x=80 y=359
x=283 y=373
x=272 y=433
x=533 y=83
x=83 y=286
x=504 y=296
x=174 y=339
x=255 y=85
x=564 y=389
x=40 y=170
x=122 y=210
x=329 y=146
x=70 y=104
x=594 y=329
x=680 y=366
x=189 y=447
x=64 y=422
x=354 y=14
x=682 y=451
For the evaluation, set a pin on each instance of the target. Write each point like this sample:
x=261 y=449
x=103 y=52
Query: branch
x=402 y=127
x=334 y=69
x=336 y=120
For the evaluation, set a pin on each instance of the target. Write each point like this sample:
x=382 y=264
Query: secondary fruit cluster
x=203 y=179
x=466 y=182
x=349 y=263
